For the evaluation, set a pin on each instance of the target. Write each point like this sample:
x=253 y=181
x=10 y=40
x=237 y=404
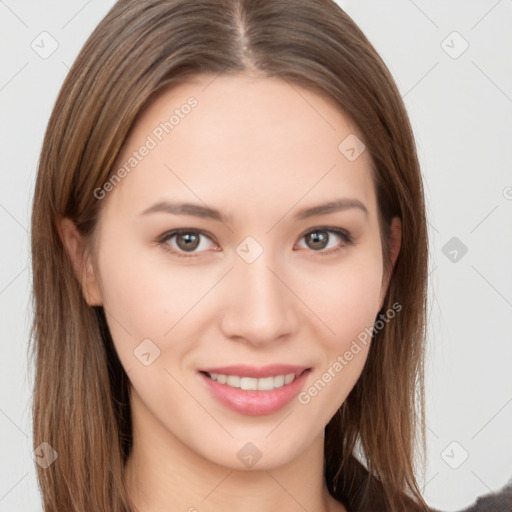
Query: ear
x=395 y=241
x=81 y=260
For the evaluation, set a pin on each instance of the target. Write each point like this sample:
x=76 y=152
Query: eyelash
x=163 y=240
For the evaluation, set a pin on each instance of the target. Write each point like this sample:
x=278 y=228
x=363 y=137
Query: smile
x=253 y=384
x=255 y=391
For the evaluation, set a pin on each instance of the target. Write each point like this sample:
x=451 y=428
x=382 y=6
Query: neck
x=163 y=474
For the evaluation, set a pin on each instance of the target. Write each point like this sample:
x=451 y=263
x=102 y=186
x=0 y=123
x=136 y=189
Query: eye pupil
x=318 y=238
x=187 y=241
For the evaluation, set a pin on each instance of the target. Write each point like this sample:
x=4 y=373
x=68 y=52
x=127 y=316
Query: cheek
x=347 y=301
x=345 y=297
x=144 y=294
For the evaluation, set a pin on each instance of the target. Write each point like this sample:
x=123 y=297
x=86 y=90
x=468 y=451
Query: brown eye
x=317 y=240
x=322 y=238
x=186 y=242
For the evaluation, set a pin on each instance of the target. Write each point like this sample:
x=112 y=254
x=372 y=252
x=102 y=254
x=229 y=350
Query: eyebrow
x=198 y=210
x=331 y=207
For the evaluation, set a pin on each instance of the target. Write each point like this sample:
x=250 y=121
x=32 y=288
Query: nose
x=259 y=308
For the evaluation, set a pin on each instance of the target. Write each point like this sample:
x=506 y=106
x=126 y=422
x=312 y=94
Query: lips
x=255 y=391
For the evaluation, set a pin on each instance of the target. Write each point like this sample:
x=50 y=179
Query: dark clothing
x=500 y=501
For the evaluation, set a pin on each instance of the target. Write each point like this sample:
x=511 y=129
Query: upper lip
x=270 y=370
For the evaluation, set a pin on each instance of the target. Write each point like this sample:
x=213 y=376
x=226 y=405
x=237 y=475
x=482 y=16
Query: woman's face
x=265 y=280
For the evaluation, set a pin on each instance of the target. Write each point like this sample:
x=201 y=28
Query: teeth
x=281 y=379
x=288 y=378
x=252 y=384
x=233 y=381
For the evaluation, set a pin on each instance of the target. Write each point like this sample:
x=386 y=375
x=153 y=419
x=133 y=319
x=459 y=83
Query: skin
x=258 y=150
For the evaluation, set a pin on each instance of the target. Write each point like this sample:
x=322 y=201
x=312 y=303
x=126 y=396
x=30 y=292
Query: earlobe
x=81 y=260
x=395 y=242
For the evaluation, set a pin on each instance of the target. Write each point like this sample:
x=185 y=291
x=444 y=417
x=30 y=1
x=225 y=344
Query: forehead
x=240 y=142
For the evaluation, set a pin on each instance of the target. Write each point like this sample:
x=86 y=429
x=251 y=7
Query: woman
x=229 y=253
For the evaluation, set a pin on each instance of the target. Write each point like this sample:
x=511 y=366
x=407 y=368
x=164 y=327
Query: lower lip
x=255 y=403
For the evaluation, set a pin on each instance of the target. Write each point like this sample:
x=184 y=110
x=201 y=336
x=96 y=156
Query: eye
x=322 y=238
x=183 y=241
x=189 y=242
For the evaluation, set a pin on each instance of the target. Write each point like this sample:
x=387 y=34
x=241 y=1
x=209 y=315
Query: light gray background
x=461 y=110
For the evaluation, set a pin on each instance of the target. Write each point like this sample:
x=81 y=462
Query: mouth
x=255 y=391
x=253 y=383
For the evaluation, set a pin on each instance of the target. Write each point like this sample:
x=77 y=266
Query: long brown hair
x=81 y=393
